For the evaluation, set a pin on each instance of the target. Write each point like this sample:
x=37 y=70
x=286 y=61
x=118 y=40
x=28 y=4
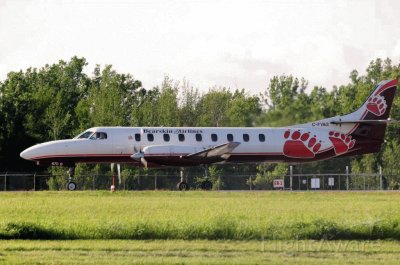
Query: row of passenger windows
x=199 y=137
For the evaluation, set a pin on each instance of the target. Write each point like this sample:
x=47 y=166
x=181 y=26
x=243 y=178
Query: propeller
x=139 y=156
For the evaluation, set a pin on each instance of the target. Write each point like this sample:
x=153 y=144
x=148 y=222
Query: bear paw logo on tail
x=376 y=105
x=341 y=143
x=300 y=145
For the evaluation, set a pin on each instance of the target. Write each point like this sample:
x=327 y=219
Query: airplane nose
x=29 y=153
x=26 y=154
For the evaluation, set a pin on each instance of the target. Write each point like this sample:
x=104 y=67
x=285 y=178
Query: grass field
x=200 y=215
x=199 y=227
x=198 y=252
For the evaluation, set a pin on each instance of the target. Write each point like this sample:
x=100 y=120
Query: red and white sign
x=279 y=183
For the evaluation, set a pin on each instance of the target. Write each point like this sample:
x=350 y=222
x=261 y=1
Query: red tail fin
x=379 y=103
x=370 y=136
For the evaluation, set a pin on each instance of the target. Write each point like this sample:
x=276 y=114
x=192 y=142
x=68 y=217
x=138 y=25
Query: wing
x=214 y=153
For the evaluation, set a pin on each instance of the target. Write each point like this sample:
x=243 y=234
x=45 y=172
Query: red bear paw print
x=377 y=105
x=300 y=145
x=341 y=143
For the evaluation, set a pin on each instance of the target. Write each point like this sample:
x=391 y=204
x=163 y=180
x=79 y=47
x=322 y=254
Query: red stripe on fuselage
x=79 y=155
x=147 y=155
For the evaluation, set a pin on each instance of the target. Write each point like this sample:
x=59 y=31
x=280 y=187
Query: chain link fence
x=14 y=181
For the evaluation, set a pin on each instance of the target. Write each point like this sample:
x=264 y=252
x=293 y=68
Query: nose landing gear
x=71 y=185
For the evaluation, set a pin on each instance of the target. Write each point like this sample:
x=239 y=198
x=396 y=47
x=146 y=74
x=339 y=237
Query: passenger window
x=166 y=137
x=137 y=137
x=246 y=137
x=214 y=137
x=150 y=137
x=181 y=137
x=229 y=137
x=198 y=137
x=261 y=137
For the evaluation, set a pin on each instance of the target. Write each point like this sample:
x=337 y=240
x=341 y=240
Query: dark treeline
x=59 y=101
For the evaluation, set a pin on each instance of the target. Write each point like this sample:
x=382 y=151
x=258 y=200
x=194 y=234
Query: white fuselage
x=165 y=146
x=359 y=132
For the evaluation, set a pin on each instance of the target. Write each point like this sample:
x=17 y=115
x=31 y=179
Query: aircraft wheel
x=182 y=186
x=71 y=185
x=206 y=185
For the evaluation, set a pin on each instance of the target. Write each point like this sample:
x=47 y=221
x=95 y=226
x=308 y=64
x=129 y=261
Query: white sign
x=279 y=183
x=331 y=182
x=315 y=184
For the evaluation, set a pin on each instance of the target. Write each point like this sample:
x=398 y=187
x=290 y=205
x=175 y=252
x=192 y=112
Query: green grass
x=200 y=215
x=198 y=252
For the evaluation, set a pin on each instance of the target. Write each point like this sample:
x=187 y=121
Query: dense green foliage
x=200 y=215
x=58 y=101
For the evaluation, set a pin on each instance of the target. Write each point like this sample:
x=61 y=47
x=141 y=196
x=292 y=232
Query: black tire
x=182 y=186
x=71 y=186
x=206 y=185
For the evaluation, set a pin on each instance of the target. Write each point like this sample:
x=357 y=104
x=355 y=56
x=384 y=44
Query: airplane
x=359 y=132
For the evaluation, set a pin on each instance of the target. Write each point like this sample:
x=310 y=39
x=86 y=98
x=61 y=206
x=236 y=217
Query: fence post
x=34 y=182
x=299 y=180
x=138 y=179
x=291 y=177
x=380 y=178
x=251 y=183
x=347 y=177
x=307 y=181
x=365 y=182
x=5 y=182
x=155 y=182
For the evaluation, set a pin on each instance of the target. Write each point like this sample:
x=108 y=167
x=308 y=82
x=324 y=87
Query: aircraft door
x=103 y=142
x=122 y=144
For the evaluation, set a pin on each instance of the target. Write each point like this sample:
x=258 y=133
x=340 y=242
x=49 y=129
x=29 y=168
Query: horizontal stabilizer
x=365 y=121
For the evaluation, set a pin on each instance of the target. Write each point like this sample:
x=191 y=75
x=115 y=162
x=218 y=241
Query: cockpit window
x=85 y=135
x=101 y=135
x=92 y=135
x=98 y=136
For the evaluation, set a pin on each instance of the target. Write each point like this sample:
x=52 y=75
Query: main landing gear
x=71 y=185
x=182 y=185
x=205 y=185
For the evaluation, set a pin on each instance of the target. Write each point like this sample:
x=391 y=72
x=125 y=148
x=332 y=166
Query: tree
x=57 y=118
x=266 y=173
x=286 y=101
x=391 y=163
x=188 y=105
x=167 y=104
x=243 y=109
x=213 y=108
